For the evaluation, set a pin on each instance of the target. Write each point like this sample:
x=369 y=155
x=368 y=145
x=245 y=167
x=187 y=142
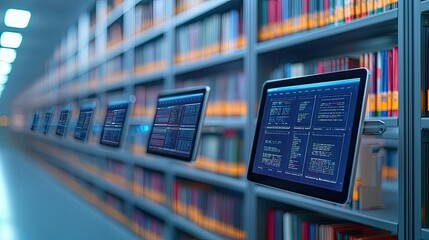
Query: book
x=115 y=33
x=283 y=17
x=149 y=14
x=146 y=226
x=215 y=34
x=148 y=184
x=215 y=209
x=150 y=57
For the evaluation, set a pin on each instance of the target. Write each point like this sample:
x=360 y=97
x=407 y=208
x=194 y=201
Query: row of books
x=146 y=100
x=114 y=69
x=222 y=152
x=142 y=224
x=284 y=17
x=150 y=57
x=146 y=226
x=115 y=33
x=218 y=33
x=217 y=210
x=149 y=14
x=289 y=70
x=183 y=5
x=114 y=172
x=383 y=87
x=115 y=207
x=290 y=225
x=149 y=184
x=227 y=92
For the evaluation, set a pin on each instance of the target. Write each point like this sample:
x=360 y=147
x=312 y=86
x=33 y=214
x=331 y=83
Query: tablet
x=83 y=123
x=177 y=123
x=114 y=124
x=62 y=122
x=307 y=134
x=47 y=121
x=35 y=121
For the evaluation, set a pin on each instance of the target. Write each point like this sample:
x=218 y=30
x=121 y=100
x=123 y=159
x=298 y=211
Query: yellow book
x=384 y=101
x=358 y=8
x=389 y=101
x=369 y=6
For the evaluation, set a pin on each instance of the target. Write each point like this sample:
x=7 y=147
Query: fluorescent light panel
x=5 y=68
x=3 y=79
x=10 y=39
x=17 y=18
x=7 y=55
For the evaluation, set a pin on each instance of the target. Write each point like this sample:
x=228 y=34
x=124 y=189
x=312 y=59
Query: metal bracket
x=373 y=127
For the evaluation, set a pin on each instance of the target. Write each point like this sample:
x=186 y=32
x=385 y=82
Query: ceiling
x=49 y=22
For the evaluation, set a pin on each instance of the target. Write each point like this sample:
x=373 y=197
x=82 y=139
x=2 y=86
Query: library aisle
x=35 y=206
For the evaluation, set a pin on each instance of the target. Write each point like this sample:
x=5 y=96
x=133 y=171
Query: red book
x=270 y=224
x=272 y=12
x=395 y=97
x=389 y=83
x=279 y=11
x=304 y=20
x=305 y=230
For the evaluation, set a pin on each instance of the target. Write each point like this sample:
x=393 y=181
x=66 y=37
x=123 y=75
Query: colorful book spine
x=115 y=33
x=148 y=184
x=114 y=69
x=383 y=87
x=146 y=226
x=150 y=57
x=227 y=96
x=114 y=173
x=283 y=17
x=215 y=209
x=395 y=82
x=290 y=225
x=114 y=207
x=149 y=14
x=220 y=152
x=218 y=33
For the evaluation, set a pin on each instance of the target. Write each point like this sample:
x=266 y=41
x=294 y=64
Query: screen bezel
x=116 y=145
x=92 y=108
x=181 y=92
x=340 y=197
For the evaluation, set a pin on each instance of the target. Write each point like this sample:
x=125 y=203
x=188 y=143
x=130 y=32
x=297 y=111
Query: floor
x=34 y=206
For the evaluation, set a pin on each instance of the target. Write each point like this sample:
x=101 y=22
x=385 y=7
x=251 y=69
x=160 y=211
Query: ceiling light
x=2 y=88
x=10 y=39
x=3 y=79
x=5 y=68
x=7 y=55
x=17 y=18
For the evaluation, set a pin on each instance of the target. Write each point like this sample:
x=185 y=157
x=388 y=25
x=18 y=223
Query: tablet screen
x=114 y=123
x=46 y=124
x=35 y=121
x=177 y=123
x=307 y=133
x=62 y=122
x=83 y=123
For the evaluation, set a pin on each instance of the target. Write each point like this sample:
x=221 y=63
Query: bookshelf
x=111 y=55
